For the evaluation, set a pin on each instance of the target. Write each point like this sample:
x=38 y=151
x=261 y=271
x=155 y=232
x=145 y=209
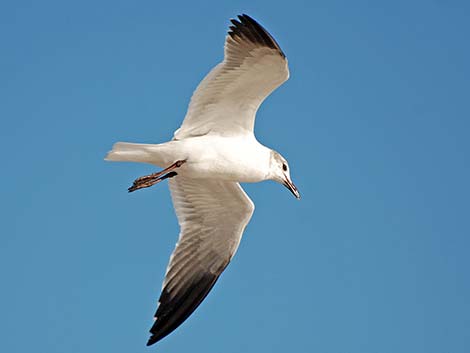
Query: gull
x=211 y=153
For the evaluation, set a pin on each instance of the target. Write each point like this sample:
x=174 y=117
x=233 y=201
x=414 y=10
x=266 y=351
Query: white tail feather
x=133 y=152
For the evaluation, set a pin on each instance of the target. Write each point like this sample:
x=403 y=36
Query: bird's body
x=211 y=153
x=213 y=157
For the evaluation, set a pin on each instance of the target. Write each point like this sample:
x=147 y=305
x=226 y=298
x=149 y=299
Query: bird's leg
x=175 y=165
x=152 y=179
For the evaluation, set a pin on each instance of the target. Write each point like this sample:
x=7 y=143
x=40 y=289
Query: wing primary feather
x=242 y=30
x=236 y=23
x=173 y=310
x=251 y=25
x=251 y=28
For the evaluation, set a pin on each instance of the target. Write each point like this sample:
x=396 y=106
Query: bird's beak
x=290 y=185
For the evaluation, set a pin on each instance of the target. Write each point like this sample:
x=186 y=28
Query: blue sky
x=374 y=122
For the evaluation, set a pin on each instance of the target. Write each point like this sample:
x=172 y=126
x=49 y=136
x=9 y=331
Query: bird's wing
x=226 y=101
x=212 y=216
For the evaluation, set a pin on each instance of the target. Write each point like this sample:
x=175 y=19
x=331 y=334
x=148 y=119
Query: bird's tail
x=134 y=152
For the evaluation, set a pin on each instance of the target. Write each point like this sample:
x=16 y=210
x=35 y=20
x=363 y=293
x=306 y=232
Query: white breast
x=241 y=159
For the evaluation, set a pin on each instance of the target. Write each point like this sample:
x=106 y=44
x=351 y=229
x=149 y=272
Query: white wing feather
x=212 y=215
x=226 y=101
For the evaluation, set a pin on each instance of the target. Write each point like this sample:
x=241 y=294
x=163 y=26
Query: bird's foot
x=152 y=179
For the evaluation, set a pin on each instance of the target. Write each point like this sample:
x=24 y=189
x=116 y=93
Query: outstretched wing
x=212 y=216
x=226 y=101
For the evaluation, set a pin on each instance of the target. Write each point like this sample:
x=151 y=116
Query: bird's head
x=280 y=172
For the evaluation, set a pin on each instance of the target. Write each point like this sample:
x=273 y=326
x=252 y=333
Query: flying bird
x=211 y=153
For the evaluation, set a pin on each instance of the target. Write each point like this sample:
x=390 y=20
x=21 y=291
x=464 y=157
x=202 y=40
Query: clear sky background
x=374 y=122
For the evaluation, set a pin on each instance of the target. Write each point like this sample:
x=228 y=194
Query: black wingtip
x=248 y=28
x=152 y=340
x=174 y=309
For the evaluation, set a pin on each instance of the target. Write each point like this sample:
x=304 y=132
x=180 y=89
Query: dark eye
x=284 y=167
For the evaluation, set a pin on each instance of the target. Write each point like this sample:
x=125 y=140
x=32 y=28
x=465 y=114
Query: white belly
x=225 y=158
